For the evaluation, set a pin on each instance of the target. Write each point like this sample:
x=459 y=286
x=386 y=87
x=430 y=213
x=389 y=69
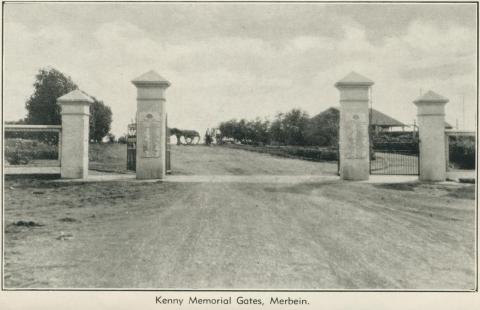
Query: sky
x=245 y=60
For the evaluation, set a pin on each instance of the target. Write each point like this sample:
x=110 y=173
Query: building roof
x=378 y=118
x=381 y=119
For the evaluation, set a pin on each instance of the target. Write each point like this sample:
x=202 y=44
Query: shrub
x=21 y=152
x=122 y=139
x=307 y=153
x=322 y=129
x=315 y=154
x=400 y=141
x=17 y=157
x=462 y=152
x=110 y=138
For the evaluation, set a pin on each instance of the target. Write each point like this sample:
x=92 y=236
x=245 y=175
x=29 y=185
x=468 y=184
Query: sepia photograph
x=229 y=146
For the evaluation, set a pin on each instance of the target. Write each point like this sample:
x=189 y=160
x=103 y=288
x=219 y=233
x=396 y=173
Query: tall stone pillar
x=431 y=127
x=75 y=111
x=354 y=121
x=151 y=120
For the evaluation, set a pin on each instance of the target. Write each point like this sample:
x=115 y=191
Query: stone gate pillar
x=354 y=121
x=151 y=135
x=431 y=127
x=75 y=111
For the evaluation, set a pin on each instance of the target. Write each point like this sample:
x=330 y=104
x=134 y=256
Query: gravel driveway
x=309 y=235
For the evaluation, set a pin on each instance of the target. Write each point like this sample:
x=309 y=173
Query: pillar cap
x=354 y=79
x=75 y=96
x=150 y=78
x=432 y=98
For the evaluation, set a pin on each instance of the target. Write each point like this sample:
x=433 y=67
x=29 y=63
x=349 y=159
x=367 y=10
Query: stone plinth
x=431 y=127
x=75 y=130
x=354 y=121
x=151 y=125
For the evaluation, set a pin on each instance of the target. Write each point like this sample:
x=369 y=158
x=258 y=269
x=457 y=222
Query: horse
x=188 y=135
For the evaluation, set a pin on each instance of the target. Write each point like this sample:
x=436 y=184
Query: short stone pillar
x=75 y=111
x=151 y=125
x=431 y=127
x=354 y=121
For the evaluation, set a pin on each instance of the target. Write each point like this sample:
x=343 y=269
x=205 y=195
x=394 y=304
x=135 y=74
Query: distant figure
x=188 y=135
x=209 y=136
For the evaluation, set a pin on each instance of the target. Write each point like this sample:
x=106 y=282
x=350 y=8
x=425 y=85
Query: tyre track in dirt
x=328 y=235
x=396 y=260
x=334 y=266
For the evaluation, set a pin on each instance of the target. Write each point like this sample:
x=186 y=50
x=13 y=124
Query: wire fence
x=32 y=146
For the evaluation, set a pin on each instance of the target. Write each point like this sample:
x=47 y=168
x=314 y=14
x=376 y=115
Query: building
x=378 y=120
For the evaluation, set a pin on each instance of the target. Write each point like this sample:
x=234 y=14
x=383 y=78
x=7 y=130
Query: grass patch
x=24 y=151
x=108 y=157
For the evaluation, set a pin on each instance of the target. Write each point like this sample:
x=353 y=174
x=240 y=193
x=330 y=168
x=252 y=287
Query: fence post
x=151 y=129
x=75 y=111
x=431 y=127
x=354 y=122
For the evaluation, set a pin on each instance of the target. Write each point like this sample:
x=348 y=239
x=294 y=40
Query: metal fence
x=32 y=149
x=132 y=147
x=394 y=162
x=395 y=158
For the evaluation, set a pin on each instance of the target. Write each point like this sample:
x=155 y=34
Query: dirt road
x=329 y=235
x=215 y=160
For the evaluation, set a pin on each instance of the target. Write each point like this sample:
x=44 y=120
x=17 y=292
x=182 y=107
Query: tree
x=229 y=129
x=100 y=120
x=289 y=128
x=111 y=138
x=240 y=131
x=257 y=131
x=277 y=132
x=42 y=107
x=295 y=123
x=122 y=139
x=322 y=129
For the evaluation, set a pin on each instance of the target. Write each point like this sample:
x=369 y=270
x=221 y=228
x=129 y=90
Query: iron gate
x=395 y=153
x=132 y=147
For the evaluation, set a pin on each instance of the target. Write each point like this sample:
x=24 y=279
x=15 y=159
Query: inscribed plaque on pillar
x=151 y=127
x=356 y=136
